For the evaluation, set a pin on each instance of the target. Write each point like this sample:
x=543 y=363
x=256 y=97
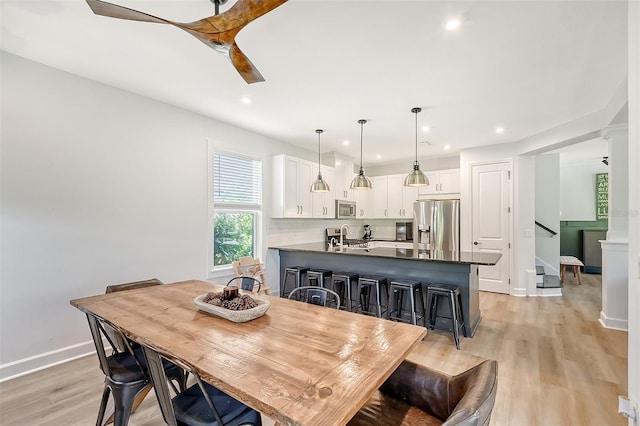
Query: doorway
x=492 y=222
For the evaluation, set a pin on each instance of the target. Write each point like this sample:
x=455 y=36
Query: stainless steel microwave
x=345 y=209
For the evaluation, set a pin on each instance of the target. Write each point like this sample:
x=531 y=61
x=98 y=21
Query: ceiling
x=526 y=66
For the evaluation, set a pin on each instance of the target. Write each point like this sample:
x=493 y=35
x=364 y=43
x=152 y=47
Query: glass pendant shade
x=361 y=181
x=416 y=177
x=320 y=185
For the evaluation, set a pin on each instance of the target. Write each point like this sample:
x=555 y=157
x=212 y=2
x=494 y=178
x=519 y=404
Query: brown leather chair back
x=466 y=399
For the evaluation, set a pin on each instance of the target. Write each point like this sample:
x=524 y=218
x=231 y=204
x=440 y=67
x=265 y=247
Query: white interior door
x=491 y=222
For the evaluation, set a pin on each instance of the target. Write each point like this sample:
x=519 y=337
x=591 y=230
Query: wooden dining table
x=298 y=364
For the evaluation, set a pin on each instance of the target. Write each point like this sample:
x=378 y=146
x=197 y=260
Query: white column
x=615 y=249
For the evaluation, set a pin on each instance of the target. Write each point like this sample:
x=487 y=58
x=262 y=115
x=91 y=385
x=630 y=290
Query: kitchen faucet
x=347 y=233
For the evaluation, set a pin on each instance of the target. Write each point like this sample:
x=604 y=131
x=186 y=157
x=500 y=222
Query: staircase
x=547 y=285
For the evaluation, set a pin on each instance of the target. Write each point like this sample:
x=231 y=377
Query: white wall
x=547 y=208
x=99 y=186
x=523 y=184
x=578 y=190
x=426 y=164
x=634 y=204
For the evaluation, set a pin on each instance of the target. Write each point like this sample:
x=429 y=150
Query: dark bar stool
x=317 y=277
x=397 y=290
x=296 y=273
x=341 y=283
x=368 y=284
x=454 y=299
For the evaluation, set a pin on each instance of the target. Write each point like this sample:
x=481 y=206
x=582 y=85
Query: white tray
x=235 y=316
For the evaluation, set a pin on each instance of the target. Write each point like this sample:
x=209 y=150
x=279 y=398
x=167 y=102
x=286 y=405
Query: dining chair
x=126 y=375
x=113 y=334
x=247 y=266
x=246 y=283
x=199 y=405
x=316 y=296
x=415 y=394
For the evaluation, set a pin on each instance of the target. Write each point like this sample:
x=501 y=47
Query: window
x=236 y=205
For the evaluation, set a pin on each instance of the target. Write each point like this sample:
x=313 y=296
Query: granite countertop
x=463 y=257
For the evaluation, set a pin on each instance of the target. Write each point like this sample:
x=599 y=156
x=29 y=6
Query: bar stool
x=344 y=280
x=397 y=290
x=317 y=277
x=296 y=272
x=367 y=284
x=454 y=299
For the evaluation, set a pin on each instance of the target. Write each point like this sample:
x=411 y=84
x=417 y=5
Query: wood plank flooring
x=557 y=366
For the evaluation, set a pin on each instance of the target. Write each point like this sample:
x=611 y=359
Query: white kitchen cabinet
x=343 y=176
x=364 y=203
x=441 y=183
x=292 y=178
x=400 y=198
x=379 y=197
x=324 y=206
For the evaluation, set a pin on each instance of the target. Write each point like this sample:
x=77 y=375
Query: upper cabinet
x=400 y=198
x=324 y=206
x=442 y=183
x=292 y=178
x=364 y=203
x=379 y=193
x=343 y=176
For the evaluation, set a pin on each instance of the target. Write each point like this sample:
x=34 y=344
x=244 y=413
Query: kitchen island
x=426 y=266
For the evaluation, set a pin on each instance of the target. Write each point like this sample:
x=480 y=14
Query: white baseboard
x=613 y=323
x=549 y=292
x=519 y=292
x=35 y=363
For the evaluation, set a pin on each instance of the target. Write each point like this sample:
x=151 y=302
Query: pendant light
x=416 y=177
x=361 y=181
x=319 y=185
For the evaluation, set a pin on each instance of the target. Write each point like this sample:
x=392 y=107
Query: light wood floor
x=557 y=366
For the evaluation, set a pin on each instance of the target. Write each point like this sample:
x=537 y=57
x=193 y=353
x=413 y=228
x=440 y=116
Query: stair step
x=550 y=281
x=539 y=270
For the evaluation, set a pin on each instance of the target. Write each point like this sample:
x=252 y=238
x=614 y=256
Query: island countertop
x=460 y=257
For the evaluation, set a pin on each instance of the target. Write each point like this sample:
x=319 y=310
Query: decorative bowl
x=231 y=315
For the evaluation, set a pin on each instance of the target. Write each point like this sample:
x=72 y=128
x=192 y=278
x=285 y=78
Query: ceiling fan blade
x=217 y=32
x=243 y=12
x=114 y=11
x=243 y=65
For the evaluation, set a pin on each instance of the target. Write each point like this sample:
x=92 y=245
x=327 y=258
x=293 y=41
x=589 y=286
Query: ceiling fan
x=218 y=31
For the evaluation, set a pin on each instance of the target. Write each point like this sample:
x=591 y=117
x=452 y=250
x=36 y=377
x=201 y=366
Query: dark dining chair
x=126 y=374
x=417 y=395
x=316 y=296
x=199 y=405
x=246 y=283
x=113 y=334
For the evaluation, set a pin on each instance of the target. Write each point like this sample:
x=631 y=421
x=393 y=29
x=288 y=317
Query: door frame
x=469 y=245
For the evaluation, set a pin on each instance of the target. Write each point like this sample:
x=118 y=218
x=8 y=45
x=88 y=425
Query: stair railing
x=549 y=230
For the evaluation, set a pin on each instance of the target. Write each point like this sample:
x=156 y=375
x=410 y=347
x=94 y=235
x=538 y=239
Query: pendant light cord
x=416 y=110
x=361 y=133
x=416 y=135
x=319 y=131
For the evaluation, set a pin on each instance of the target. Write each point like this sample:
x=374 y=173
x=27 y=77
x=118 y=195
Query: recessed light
x=453 y=24
x=246 y=100
x=499 y=130
x=447 y=147
x=425 y=128
x=338 y=163
x=378 y=156
x=345 y=142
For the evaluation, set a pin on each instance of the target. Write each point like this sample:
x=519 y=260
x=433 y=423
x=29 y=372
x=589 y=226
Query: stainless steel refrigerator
x=436 y=225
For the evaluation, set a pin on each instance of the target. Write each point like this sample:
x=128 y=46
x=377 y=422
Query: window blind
x=236 y=180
